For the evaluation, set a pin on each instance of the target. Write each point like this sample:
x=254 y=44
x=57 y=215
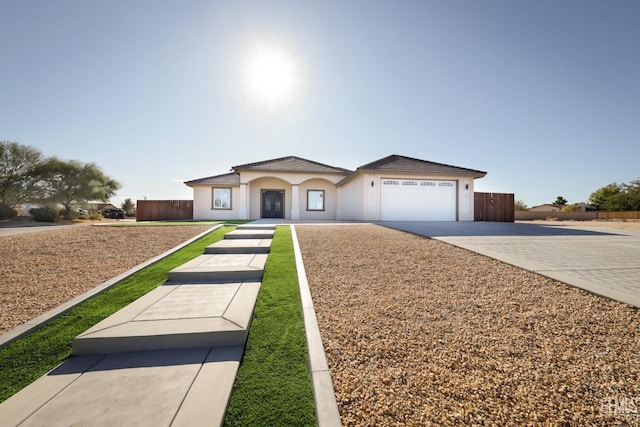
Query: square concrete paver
x=176 y=316
x=239 y=246
x=250 y=234
x=220 y=267
x=192 y=301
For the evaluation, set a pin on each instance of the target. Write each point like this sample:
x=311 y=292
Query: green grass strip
x=273 y=385
x=28 y=358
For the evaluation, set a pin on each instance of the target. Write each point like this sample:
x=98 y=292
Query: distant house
x=545 y=208
x=394 y=188
x=586 y=207
x=100 y=207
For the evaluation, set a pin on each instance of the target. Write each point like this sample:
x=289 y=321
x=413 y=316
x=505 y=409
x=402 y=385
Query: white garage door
x=418 y=200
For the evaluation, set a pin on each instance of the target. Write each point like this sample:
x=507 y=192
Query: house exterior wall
x=465 y=199
x=351 y=200
x=295 y=178
x=330 y=199
x=203 y=203
x=259 y=180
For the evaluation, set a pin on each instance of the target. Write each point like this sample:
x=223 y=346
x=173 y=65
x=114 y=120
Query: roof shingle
x=291 y=164
x=232 y=179
x=398 y=163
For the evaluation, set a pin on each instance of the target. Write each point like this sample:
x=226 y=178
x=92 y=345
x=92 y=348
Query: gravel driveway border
x=38 y=322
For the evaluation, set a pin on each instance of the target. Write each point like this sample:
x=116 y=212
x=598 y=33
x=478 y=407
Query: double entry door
x=272 y=204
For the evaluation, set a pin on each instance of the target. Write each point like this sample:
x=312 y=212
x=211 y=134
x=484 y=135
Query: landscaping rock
x=39 y=271
x=419 y=332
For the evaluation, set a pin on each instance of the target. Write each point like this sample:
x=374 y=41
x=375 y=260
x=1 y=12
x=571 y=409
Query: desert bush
x=95 y=217
x=7 y=212
x=44 y=214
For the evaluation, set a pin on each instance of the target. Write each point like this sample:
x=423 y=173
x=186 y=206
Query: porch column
x=295 y=201
x=242 y=206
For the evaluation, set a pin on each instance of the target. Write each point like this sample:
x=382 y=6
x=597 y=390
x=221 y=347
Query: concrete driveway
x=604 y=261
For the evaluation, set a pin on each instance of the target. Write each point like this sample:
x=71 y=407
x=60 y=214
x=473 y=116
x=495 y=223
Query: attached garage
x=418 y=200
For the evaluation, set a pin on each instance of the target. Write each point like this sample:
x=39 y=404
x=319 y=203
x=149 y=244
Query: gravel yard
x=418 y=332
x=39 y=271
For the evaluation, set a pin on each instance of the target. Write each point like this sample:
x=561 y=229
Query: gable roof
x=399 y=163
x=232 y=179
x=393 y=163
x=291 y=164
x=402 y=164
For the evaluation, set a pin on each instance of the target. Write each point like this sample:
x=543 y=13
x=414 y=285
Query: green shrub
x=95 y=217
x=7 y=212
x=45 y=214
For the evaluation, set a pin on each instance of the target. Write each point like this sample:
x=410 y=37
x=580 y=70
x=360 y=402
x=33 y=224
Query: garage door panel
x=418 y=200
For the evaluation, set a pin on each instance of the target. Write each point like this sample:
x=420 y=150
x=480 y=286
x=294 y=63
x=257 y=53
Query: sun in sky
x=271 y=76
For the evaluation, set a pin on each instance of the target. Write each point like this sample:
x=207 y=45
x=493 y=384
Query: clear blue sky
x=543 y=95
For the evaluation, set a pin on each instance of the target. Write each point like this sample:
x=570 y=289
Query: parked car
x=113 y=213
x=82 y=211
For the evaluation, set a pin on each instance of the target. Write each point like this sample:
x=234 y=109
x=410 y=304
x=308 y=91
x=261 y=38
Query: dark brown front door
x=272 y=204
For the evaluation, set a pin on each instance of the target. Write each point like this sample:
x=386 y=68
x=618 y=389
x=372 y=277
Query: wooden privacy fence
x=619 y=215
x=577 y=216
x=164 y=210
x=494 y=207
x=560 y=216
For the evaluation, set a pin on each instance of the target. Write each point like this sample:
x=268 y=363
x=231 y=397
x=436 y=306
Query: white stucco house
x=395 y=188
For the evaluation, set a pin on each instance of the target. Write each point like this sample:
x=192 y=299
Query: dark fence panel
x=494 y=207
x=164 y=210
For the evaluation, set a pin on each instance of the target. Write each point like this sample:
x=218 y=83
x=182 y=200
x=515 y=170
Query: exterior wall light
x=371 y=183
x=466 y=186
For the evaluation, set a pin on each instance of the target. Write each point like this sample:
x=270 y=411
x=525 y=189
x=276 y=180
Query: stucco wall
x=351 y=200
x=465 y=199
x=330 y=199
x=290 y=177
x=203 y=204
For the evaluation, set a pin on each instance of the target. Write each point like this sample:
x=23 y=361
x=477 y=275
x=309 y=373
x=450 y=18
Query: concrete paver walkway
x=602 y=261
